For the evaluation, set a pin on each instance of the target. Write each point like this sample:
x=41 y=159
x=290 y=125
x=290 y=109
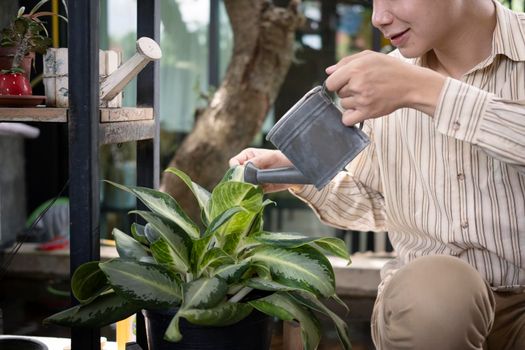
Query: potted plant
x=25 y=35
x=217 y=276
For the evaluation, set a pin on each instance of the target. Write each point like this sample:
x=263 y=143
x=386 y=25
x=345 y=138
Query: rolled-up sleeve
x=496 y=125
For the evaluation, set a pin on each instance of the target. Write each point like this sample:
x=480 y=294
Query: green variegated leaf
x=335 y=246
x=200 y=247
x=262 y=270
x=152 y=235
x=204 y=293
x=215 y=257
x=282 y=239
x=313 y=303
x=266 y=284
x=231 y=273
x=173 y=333
x=338 y=300
x=230 y=242
x=147 y=284
x=164 y=205
x=332 y=245
x=137 y=231
x=88 y=281
x=230 y=194
x=223 y=314
x=271 y=309
x=127 y=247
x=235 y=173
x=177 y=239
x=221 y=219
x=257 y=224
x=165 y=255
x=303 y=267
x=105 y=309
x=279 y=304
x=200 y=193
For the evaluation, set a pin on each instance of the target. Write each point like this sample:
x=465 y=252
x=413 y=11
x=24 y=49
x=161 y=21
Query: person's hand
x=264 y=159
x=373 y=85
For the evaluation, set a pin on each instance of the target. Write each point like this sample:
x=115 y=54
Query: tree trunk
x=262 y=54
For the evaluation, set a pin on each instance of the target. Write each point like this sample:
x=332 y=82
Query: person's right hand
x=264 y=159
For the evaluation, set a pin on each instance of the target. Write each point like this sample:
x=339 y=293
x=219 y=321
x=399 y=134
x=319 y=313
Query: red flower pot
x=6 y=59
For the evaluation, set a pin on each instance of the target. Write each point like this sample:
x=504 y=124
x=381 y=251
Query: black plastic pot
x=253 y=333
x=18 y=343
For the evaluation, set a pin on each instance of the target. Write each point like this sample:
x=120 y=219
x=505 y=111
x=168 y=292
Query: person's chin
x=410 y=52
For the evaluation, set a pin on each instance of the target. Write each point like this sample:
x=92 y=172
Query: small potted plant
x=217 y=285
x=25 y=35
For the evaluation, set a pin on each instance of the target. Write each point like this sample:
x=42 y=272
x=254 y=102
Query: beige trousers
x=441 y=302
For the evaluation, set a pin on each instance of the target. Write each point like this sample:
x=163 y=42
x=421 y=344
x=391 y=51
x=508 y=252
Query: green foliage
x=27 y=33
x=215 y=275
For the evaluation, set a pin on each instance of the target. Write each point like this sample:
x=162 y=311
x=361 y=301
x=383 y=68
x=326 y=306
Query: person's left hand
x=372 y=85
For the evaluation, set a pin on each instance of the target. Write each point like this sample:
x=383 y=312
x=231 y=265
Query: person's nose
x=381 y=15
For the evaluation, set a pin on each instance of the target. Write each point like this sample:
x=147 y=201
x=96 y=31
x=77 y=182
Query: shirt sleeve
x=494 y=124
x=353 y=200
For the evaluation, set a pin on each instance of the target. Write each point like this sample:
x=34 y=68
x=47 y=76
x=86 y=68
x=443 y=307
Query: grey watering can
x=312 y=136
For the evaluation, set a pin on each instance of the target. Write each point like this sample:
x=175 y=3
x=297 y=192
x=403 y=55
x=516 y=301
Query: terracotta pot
x=6 y=58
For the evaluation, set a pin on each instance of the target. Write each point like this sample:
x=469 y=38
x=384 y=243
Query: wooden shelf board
x=60 y=115
x=125 y=114
x=36 y=114
x=126 y=131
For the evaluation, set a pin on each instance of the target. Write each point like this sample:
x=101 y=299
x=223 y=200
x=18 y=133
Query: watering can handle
x=147 y=50
x=290 y=175
x=327 y=94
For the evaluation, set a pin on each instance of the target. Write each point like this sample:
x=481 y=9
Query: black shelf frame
x=83 y=44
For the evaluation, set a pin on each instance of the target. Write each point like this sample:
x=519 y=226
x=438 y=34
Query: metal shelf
x=86 y=133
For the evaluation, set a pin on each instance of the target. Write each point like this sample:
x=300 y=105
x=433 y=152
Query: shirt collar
x=509 y=35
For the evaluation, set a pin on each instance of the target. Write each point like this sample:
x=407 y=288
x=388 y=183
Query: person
x=444 y=173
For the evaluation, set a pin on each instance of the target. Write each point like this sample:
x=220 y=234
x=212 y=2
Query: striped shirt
x=453 y=184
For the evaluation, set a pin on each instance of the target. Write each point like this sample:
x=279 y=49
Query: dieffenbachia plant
x=209 y=271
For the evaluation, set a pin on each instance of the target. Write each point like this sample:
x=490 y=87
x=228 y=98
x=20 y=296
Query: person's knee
x=437 y=298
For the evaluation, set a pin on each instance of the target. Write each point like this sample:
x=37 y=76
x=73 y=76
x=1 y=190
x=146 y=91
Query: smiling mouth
x=398 y=35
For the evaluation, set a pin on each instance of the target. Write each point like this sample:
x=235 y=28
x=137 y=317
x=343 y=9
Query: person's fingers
x=270 y=159
x=242 y=157
x=347 y=103
x=329 y=70
x=233 y=162
x=345 y=91
x=352 y=117
x=340 y=78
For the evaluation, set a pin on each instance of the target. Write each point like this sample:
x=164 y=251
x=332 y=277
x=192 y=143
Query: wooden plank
x=60 y=115
x=126 y=131
x=30 y=261
x=37 y=114
x=362 y=277
x=109 y=115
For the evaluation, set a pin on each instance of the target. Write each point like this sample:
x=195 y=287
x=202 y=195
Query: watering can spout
x=147 y=50
x=290 y=175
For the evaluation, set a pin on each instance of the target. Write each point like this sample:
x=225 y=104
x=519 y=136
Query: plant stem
x=189 y=277
x=21 y=51
x=240 y=294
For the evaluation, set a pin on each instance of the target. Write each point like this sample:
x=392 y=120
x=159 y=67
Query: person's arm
x=494 y=124
x=353 y=199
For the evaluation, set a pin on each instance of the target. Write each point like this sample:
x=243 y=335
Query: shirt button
x=461 y=177
x=464 y=225
x=456 y=126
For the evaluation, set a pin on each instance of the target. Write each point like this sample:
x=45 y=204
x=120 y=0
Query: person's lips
x=399 y=38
